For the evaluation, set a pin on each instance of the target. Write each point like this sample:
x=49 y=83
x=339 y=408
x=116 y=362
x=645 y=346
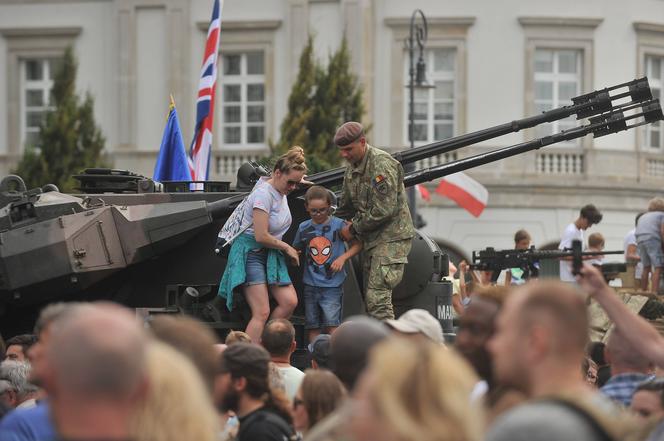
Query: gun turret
x=495 y=261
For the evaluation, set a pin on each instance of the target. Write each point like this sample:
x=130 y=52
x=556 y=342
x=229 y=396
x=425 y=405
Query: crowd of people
x=521 y=368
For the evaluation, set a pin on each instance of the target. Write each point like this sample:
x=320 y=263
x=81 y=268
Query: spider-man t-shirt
x=321 y=245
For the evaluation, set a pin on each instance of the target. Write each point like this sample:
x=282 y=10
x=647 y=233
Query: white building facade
x=491 y=62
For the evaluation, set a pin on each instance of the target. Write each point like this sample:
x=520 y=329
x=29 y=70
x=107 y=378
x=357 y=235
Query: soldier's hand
x=345 y=233
x=338 y=264
x=293 y=255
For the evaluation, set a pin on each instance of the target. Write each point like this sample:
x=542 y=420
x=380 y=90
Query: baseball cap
x=244 y=359
x=348 y=133
x=319 y=349
x=418 y=321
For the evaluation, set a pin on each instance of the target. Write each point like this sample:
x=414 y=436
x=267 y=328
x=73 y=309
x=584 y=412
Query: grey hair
x=17 y=373
x=52 y=313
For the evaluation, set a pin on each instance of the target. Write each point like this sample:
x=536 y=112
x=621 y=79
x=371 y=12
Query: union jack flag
x=199 y=152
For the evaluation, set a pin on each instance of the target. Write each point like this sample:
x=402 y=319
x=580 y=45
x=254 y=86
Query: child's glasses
x=318 y=210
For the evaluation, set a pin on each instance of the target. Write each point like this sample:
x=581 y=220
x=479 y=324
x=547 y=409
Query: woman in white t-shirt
x=256 y=260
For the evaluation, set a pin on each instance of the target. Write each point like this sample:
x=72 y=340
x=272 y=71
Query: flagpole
x=201 y=145
x=171 y=106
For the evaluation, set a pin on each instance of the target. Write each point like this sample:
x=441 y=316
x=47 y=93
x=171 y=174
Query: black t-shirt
x=264 y=425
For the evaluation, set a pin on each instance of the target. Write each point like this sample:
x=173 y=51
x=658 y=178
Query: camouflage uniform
x=373 y=194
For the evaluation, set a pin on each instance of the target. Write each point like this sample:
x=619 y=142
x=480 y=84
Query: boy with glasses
x=325 y=256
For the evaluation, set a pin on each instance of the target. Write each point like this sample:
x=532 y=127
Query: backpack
x=231 y=230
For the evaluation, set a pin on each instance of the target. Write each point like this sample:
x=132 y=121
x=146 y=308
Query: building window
x=559 y=56
x=435 y=108
x=655 y=72
x=558 y=75
x=36 y=83
x=243 y=99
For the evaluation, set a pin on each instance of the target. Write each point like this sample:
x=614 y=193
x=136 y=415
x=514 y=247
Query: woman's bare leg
x=286 y=298
x=259 y=303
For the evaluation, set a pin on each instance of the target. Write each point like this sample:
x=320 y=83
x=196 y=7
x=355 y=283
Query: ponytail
x=293 y=159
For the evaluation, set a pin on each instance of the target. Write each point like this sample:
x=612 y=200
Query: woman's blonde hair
x=177 y=405
x=656 y=204
x=426 y=396
x=237 y=337
x=293 y=159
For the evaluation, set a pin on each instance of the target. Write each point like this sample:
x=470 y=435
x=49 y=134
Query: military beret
x=348 y=133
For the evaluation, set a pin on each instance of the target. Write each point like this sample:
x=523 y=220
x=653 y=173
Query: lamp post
x=417 y=78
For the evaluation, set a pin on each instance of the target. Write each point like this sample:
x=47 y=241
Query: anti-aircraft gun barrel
x=602 y=125
x=583 y=106
x=600 y=107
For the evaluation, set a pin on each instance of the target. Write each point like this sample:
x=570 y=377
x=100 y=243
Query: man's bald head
x=278 y=337
x=350 y=345
x=97 y=352
x=557 y=306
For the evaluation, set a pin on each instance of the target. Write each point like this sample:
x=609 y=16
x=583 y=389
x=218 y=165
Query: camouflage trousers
x=382 y=268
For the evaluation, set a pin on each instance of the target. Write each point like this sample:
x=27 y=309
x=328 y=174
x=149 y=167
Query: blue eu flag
x=172 y=162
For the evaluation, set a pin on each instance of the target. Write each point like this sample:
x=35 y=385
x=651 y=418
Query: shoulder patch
x=380 y=184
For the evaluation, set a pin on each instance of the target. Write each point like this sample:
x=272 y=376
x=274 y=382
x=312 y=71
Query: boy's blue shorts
x=651 y=253
x=322 y=306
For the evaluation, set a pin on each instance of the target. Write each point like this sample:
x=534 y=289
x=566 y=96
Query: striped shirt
x=621 y=387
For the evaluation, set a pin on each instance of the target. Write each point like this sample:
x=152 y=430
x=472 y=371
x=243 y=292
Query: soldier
x=374 y=199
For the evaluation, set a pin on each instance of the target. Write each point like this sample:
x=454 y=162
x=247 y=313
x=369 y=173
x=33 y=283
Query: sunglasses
x=297 y=402
x=292 y=183
x=318 y=210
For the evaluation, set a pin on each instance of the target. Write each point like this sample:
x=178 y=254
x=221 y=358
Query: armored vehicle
x=150 y=245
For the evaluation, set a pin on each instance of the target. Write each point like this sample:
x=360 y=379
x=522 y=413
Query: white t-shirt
x=266 y=198
x=570 y=234
x=630 y=239
x=292 y=379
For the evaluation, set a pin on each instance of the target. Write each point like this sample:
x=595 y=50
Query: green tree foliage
x=321 y=100
x=295 y=126
x=69 y=140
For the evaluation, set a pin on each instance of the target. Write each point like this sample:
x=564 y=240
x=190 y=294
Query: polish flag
x=465 y=191
x=423 y=192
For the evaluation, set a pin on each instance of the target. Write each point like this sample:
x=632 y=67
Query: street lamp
x=417 y=78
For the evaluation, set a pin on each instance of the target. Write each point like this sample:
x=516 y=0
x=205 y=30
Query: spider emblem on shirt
x=320 y=249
